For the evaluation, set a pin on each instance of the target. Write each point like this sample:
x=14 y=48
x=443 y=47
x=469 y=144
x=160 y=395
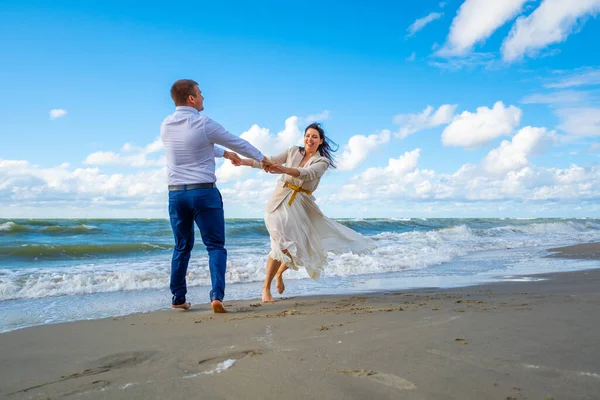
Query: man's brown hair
x=182 y=89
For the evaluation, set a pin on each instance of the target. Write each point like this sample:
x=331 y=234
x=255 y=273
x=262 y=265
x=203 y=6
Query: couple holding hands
x=300 y=234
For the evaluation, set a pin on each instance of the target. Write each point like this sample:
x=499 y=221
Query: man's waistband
x=192 y=186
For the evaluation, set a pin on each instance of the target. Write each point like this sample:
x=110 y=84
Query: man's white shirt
x=189 y=140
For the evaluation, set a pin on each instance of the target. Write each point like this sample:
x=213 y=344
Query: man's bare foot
x=266 y=296
x=217 y=307
x=279 y=283
x=184 y=306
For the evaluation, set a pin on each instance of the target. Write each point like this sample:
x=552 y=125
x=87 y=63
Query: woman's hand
x=276 y=169
x=280 y=169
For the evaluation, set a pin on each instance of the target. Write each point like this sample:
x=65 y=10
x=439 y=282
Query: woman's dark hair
x=327 y=147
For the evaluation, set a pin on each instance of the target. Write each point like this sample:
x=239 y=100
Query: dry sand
x=517 y=340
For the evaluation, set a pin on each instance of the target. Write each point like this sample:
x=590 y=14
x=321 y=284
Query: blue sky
x=512 y=129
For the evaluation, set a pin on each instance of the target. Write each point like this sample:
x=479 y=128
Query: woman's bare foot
x=279 y=283
x=266 y=296
x=217 y=307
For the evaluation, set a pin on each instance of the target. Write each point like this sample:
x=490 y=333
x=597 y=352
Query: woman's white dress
x=301 y=228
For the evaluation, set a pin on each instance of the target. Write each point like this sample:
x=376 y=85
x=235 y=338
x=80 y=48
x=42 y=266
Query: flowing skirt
x=308 y=235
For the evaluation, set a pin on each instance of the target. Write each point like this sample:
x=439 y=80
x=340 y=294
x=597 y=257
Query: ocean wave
x=79 y=281
x=43 y=251
x=70 y=230
x=129 y=276
x=546 y=228
x=247 y=230
x=11 y=227
x=396 y=250
x=39 y=222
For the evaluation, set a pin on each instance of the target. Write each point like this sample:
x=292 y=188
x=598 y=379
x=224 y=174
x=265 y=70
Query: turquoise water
x=45 y=264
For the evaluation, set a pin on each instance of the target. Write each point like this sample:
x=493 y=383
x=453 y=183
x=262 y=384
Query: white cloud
x=322 y=116
x=469 y=61
x=411 y=123
x=506 y=174
x=580 y=121
x=555 y=98
x=514 y=154
x=475 y=21
x=422 y=22
x=267 y=143
x=30 y=185
x=552 y=22
x=517 y=180
x=358 y=148
x=396 y=168
x=29 y=190
x=253 y=192
x=273 y=144
x=443 y=4
x=227 y=172
x=103 y=158
x=472 y=130
x=154 y=147
x=412 y=56
x=580 y=78
x=127 y=147
x=594 y=147
x=57 y=113
x=135 y=157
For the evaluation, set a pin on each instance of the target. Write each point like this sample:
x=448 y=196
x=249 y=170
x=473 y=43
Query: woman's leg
x=279 y=278
x=272 y=267
x=279 y=275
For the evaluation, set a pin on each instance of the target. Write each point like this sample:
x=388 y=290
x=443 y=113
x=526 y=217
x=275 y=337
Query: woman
x=300 y=234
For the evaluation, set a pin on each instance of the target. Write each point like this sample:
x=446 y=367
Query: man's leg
x=182 y=223
x=208 y=214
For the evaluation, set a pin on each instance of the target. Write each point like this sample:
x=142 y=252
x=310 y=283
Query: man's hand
x=266 y=163
x=233 y=157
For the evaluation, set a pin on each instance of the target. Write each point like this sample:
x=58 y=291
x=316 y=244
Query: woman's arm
x=280 y=158
x=313 y=171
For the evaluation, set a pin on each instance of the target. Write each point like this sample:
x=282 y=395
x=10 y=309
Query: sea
x=59 y=270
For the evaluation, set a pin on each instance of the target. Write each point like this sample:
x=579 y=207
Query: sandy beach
x=515 y=340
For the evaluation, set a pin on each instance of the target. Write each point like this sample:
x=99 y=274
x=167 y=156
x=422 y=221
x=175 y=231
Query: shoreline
x=583 y=251
x=497 y=340
x=367 y=284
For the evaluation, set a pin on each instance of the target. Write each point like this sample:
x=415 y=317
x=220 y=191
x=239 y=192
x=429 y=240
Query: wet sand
x=587 y=251
x=515 y=340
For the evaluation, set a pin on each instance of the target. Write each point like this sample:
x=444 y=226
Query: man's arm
x=219 y=135
x=228 y=155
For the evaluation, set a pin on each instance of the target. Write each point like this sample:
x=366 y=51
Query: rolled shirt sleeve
x=219 y=152
x=313 y=171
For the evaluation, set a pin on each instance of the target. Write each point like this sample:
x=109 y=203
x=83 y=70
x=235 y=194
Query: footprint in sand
x=100 y=366
x=122 y=360
x=382 y=378
x=88 y=388
x=234 y=355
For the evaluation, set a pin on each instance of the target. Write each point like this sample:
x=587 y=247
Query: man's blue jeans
x=205 y=208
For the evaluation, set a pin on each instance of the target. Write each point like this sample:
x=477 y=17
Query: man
x=189 y=140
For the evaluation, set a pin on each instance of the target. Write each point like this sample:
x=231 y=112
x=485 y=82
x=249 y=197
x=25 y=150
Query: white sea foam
x=7 y=226
x=414 y=250
x=225 y=365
